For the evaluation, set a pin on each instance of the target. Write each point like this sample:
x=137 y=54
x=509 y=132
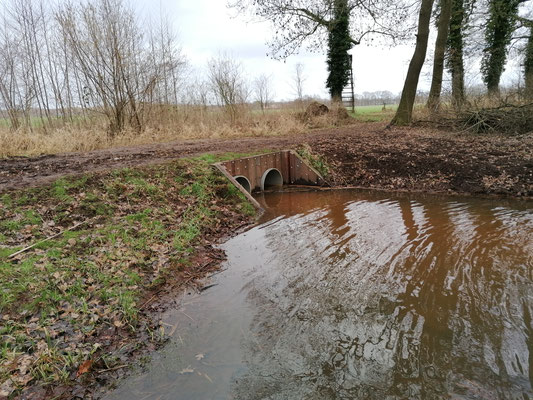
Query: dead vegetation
x=318 y=115
x=509 y=115
x=166 y=124
x=506 y=119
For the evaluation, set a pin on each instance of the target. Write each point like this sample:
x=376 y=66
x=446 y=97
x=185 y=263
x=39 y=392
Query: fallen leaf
x=22 y=380
x=6 y=388
x=24 y=363
x=84 y=368
x=187 y=370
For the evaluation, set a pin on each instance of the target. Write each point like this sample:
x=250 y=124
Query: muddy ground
x=363 y=154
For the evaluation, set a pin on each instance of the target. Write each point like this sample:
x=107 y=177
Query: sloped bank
x=438 y=162
x=88 y=263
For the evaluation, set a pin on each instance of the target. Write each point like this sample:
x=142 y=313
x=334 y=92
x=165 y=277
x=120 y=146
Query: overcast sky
x=207 y=27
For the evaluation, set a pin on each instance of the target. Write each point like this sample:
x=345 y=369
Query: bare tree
x=228 y=84
x=9 y=86
x=121 y=74
x=300 y=23
x=168 y=58
x=27 y=22
x=440 y=50
x=198 y=94
x=263 y=90
x=96 y=36
x=405 y=108
x=298 y=80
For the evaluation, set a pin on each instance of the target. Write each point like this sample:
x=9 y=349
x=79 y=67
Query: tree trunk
x=405 y=109
x=498 y=34
x=455 y=48
x=339 y=43
x=440 y=50
x=528 y=65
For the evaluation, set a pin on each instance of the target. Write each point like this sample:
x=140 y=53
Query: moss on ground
x=317 y=161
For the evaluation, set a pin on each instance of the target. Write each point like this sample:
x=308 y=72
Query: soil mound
x=341 y=113
x=316 y=109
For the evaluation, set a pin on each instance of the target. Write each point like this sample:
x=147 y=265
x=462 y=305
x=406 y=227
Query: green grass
x=316 y=161
x=374 y=113
x=143 y=225
x=35 y=121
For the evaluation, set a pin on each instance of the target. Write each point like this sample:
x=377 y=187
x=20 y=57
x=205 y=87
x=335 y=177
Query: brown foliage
x=507 y=119
x=316 y=109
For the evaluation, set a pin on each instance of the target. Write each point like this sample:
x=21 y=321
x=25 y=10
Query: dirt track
x=365 y=154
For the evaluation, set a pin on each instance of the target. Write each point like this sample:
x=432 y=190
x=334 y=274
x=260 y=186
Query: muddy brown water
x=359 y=295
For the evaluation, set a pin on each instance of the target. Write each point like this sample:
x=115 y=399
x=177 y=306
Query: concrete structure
x=267 y=171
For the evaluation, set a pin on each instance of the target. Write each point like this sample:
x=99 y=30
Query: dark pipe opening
x=271 y=178
x=244 y=182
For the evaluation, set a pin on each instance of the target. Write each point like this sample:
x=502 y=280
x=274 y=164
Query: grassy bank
x=73 y=306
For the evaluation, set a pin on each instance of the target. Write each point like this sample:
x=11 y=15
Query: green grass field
x=374 y=113
x=36 y=122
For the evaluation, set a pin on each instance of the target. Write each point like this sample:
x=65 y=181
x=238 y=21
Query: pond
x=359 y=295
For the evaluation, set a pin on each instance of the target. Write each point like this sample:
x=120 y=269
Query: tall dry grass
x=163 y=125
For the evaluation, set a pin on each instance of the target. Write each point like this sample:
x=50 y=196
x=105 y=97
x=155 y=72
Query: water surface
x=359 y=295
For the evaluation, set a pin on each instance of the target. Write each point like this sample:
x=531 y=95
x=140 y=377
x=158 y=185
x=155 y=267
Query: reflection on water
x=356 y=295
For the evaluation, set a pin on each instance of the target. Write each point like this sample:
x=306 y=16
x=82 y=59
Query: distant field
x=36 y=122
x=363 y=113
x=374 y=113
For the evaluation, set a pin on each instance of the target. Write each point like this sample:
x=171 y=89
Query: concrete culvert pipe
x=244 y=182
x=271 y=178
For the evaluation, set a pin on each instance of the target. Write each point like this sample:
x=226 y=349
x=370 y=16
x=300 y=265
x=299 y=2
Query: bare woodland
x=61 y=65
x=79 y=75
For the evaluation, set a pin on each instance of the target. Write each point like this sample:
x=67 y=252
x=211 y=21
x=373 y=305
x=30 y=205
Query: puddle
x=352 y=294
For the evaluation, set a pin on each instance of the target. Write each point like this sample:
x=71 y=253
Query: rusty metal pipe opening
x=244 y=182
x=271 y=178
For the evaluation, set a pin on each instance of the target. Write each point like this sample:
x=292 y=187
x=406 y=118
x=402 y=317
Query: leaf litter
x=81 y=305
